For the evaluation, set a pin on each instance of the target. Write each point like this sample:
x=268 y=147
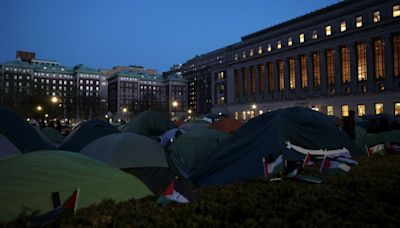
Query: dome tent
x=7 y=148
x=29 y=179
x=141 y=156
x=266 y=137
x=149 y=123
x=86 y=133
x=21 y=133
x=53 y=134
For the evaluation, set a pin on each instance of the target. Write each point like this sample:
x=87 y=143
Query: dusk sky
x=152 y=33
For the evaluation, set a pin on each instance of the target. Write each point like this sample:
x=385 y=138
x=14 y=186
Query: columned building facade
x=340 y=58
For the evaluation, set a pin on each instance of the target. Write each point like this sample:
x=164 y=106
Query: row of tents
x=151 y=151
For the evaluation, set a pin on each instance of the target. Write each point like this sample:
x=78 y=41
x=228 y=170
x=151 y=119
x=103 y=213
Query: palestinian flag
x=307 y=161
x=394 y=147
x=346 y=160
x=330 y=167
x=69 y=205
x=376 y=150
x=275 y=167
x=171 y=195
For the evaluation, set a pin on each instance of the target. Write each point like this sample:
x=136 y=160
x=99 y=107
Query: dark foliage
x=368 y=196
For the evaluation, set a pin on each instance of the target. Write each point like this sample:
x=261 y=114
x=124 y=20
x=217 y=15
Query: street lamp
x=39 y=108
x=254 y=106
x=174 y=104
x=54 y=99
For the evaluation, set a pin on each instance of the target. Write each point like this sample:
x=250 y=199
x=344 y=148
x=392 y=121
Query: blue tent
x=86 y=133
x=20 y=133
x=267 y=136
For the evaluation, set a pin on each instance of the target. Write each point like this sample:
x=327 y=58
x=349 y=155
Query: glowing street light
x=46 y=115
x=124 y=110
x=54 y=99
x=174 y=104
x=39 y=108
x=190 y=111
x=254 y=106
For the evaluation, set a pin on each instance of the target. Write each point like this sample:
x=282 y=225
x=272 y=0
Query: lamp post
x=174 y=105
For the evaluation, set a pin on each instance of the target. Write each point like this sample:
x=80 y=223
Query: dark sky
x=153 y=33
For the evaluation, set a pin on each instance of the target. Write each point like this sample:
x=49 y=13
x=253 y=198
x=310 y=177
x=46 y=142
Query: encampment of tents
x=225 y=124
x=21 y=133
x=28 y=180
x=53 y=134
x=86 y=133
x=149 y=123
x=269 y=136
x=136 y=154
x=372 y=139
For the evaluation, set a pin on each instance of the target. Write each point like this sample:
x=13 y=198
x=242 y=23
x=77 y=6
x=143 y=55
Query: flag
x=376 y=150
x=275 y=167
x=346 y=160
x=171 y=195
x=69 y=205
x=265 y=165
x=308 y=179
x=330 y=166
x=292 y=173
x=394 y=147
x=307 y=160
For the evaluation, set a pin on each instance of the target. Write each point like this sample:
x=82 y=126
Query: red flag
x=306 y=160
x=72 y=201
x=170 y=189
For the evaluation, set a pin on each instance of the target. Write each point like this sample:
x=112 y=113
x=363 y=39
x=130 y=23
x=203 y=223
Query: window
x=330 y=66
x=303 y=62
x=289 y=42
x=328 y=30
x=237 y=83
x=361 y=110
x=281 y=75
x=243 y=54
x=362 y=61
x=253 y=80
x=396 y=109
x=396 y=55
x=396 y=10
x=316 y=70
x=279 y=44
x=329 y=110
x=376 y=16
x=260 y=50
x=244 y=80
x=261 y=78
x=343 y=26
x=378 y=108
x=301 y=38
x=236 y=57
x=314 y=35
x=251 y=114
x=236 y=115
x=345 y=64
x=271 y=77
x=269 y=48
x=292 y=74
x=244 y=117
x=359 y=22
x=379 y=53
x=251 y=52
x=345 y=110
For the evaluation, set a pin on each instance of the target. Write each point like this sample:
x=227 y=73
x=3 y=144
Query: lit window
x=377 y=16
x=279 y=44
x=314 y=34
x=396 y=10
x=243 y=54
x=236 y=56
x=359 y=22
x=329 y=110
x=301 y=38
x=343 y=26
x=361 y=110
x=251 y=52
x=244 y=116
x=252 y=114
x=260 y=50
x=236 y=115
x=269 y=48
x=378 y=108
x=289 y=41
x=396 y=109
x=345 y=110
x=328 y=30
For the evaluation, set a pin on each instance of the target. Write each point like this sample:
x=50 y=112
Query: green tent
x=149 y=123
x=373 y=139
x=53 y=134
x=141 y=156
x=191 y=149
x=28 y=180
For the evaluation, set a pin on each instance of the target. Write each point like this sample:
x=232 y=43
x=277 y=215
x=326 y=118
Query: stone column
x=370 y=65
x=338 y=70
x=324 y=82
x=276 y=79
x=286 y=78
x=297 y=75
x=266 y=81
x=353 y=68
x=310 y=75
x=388 y=62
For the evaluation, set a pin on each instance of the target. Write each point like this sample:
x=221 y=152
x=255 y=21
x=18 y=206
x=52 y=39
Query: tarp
x=266 y=136
x=86 y=133
x=52 y=134
x=149 y=123
x=190 y=150
x=127 y=150
x=7 y=148
x=194 y=125
x=227 y=125
x=28 y=180
x=21 y=133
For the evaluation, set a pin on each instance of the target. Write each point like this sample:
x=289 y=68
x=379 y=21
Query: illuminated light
x=124 y=110
x=46 y=115
x=254 y=106
x=39 y=108
x=174 y=104
x=27 y=119
x=54 y=99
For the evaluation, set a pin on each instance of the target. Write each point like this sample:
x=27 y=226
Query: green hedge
x=368 y=196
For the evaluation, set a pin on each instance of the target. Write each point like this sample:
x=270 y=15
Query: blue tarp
x=265 y=137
